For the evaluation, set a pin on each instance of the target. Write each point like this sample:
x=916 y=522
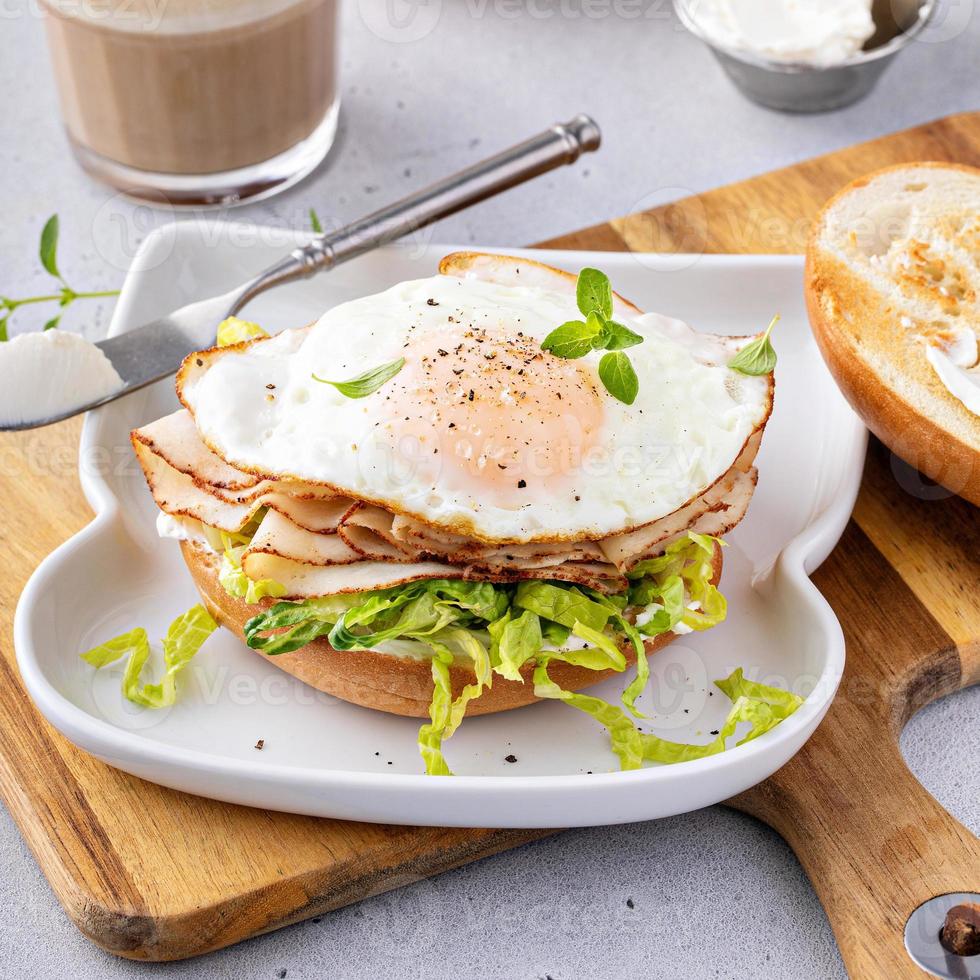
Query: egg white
x=261 y=410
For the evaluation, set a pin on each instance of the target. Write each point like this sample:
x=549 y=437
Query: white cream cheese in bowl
x=804 y=55
x=814 y=32
x=50 y=372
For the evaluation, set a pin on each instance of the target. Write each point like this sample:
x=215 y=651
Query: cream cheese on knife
x=50 y=372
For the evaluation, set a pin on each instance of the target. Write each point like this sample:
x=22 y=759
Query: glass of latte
x=195 y=102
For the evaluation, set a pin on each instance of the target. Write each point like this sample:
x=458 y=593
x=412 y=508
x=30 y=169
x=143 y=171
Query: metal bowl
x=799 y=87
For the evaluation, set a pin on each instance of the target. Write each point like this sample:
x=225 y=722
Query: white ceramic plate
x=327 y=758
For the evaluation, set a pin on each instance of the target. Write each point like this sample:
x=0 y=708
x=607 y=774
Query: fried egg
x=481 y=431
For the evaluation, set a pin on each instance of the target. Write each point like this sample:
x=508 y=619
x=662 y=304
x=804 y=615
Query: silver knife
x=155 y=350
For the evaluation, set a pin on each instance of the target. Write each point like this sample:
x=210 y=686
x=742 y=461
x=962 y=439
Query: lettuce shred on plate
x=496 y=630
x=184 y=638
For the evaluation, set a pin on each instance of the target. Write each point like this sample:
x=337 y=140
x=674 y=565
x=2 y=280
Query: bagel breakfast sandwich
x=464 y=494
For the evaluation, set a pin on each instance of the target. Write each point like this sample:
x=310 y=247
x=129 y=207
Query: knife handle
x=562 y=144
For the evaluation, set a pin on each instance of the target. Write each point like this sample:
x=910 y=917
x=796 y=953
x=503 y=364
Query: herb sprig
x=757 y=357
x=64 y=297
x=367 y=383
x=598 y=331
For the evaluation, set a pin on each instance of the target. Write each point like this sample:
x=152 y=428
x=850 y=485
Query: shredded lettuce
x=184 y=638
x=431 y=735
x=561 y=604
x=445 y=714
x=763 y=707
x=489 y=629
x=236 y=583
x=500 y=629
x=622 y=732
x=516 y=642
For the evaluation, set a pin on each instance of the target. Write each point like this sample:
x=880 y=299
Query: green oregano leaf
x=52 y=323
x=593 y=293
x=617 y=375
x=597 y=331
x=571 y=340
x=49 y=246
x=315 y=222
x=619 y=336
x=757 y=357
x=599 y=325
x=367 y=383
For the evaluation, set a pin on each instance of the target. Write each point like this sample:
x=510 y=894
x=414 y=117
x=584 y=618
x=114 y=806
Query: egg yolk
x=487 y=410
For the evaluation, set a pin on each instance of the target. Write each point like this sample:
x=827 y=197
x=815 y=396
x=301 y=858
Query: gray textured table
x=485 y=74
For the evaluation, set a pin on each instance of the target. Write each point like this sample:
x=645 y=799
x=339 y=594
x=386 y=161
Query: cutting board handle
x=873 y=842
x=873 y=856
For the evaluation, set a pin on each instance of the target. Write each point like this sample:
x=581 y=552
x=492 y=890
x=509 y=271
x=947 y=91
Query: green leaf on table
x=49 y=246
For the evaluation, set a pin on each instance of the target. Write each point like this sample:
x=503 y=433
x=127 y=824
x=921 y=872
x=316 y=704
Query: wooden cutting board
x=903 y=582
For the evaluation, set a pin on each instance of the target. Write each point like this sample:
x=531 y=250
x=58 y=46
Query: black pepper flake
x=260 y=744
x=377 y=753
x=715 y=732
x=577 y=498
x=431 y=302
x=452 y=425
x=442 y=353
x=469 y=397
x=510 y=758
x=629 y=903
x=521 y=484
x=501 y=466
x=199 y=362
x=457 y=371
x=281 y=973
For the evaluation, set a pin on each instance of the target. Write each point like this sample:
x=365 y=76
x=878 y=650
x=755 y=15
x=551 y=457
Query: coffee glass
x=196 y=102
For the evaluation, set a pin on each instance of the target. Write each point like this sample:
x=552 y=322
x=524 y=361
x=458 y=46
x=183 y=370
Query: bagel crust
x=857 y=328
x=372 y=679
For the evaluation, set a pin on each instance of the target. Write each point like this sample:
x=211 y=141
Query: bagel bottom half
x=372 y=679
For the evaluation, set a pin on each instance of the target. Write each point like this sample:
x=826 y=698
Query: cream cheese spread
x=51 y=372
x=815 y=32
